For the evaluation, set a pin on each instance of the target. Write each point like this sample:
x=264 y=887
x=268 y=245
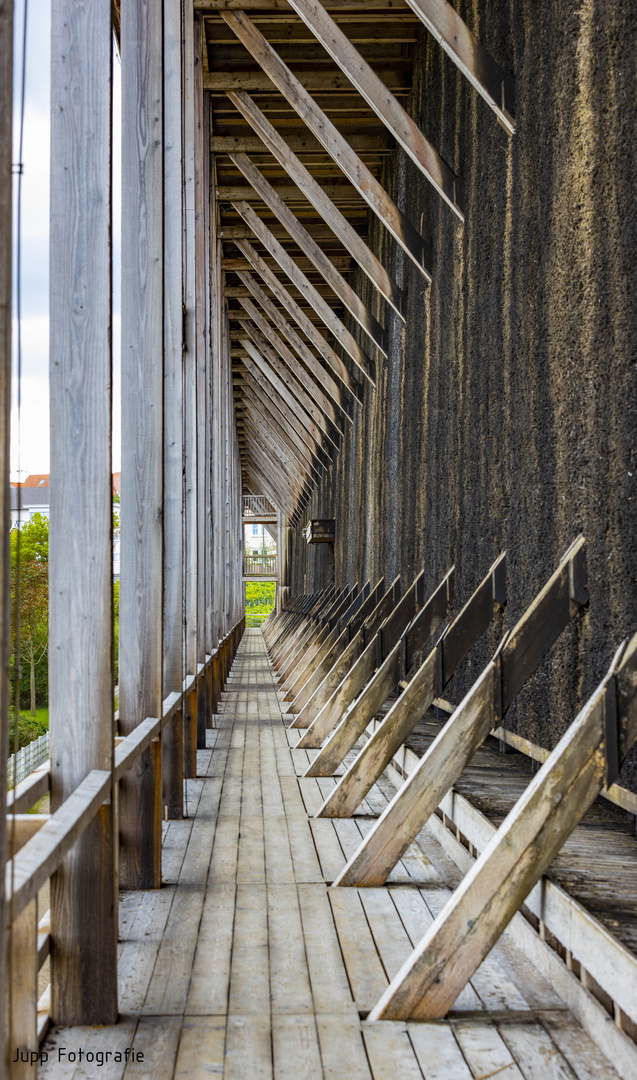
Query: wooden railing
x=258 y=506
x=39 y=843
x=259 y=565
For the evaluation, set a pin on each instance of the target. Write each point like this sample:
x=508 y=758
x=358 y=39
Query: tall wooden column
x=173 y=737
x=201 y=286
x=190 y=385
x=6 y=110
x=83 y=924
x=141 y=609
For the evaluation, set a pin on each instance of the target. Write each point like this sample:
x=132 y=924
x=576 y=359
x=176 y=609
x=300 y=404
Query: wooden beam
x=430 y=679
x=314 y=81
x=301 y=319
x=6 y=251
x=483 y=72
x=191 y=576
x=315 y=193
x=520 y=852
x=303 y=393
x=320 y=686
x=274 y=437
x=515 y=661
x=359 y=175
x=307 y=356
x=282 y=5
x=294 y=419
x=274 y=483
x=83 y=980
x=173 y=644
x=320 y=388
x=385 y=678
x=269 y=369
x=297 y=144
x=256 y=405
x=141 y=615
x=289 y=477
x=305 y=287
x=311 y=249
x=382 y=101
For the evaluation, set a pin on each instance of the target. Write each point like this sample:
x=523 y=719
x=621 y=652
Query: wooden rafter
x=382 y=101
x=297 y=313
x=304 y=428
x=483 y=72
x=305 y=287
x=316 y=194
x=329 y=136
x=315 y=254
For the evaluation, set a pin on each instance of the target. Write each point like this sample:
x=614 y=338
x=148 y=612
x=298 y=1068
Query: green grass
x=29 y=727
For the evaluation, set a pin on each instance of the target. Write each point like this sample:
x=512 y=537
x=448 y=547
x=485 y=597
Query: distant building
x=33 y=496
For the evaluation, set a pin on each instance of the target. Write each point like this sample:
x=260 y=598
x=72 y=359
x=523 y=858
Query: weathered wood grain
x=81 y=517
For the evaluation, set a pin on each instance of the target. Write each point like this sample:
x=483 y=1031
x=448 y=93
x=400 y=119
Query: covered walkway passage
x=246 y=964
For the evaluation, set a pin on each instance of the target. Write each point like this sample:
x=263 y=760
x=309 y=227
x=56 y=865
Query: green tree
x=34 y=617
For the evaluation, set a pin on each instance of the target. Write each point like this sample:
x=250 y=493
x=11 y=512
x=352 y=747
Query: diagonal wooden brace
x=517 y=657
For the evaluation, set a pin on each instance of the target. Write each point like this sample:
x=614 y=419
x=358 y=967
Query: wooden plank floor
x=246 y=965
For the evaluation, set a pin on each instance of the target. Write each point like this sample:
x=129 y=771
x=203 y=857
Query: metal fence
x=27 y=759
x=258 y=506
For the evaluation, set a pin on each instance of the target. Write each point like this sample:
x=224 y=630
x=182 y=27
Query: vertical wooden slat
x=83 y=971
x=141 y=659
x=190 y=383
x=172 y=742
x=200 y=347
x=23 y=944
x=6 y=110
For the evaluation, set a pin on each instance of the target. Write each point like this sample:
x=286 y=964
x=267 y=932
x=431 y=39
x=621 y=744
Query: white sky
x=33 y=443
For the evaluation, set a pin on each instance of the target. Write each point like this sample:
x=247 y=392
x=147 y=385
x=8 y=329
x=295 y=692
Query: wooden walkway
x=245 y=965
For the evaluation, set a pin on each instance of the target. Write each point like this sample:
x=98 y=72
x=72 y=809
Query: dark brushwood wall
x=506 y=414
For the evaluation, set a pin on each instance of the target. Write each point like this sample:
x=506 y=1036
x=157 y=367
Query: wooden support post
x=201 y=349
x=440 y=664
x=328 y=135
x=588 y=756
x=6 y=249
x=517 y=658
x=191 y=576
x=383 y=681
x=173 y=644
x=83 y=923
x=22 y=996
x=141 y=607
x=325 y=642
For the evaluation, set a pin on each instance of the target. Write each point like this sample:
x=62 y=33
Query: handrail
x=42 y=855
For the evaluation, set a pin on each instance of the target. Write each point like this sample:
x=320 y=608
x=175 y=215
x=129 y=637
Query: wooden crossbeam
x=314 y=81
x=427 y=683
x=315 y=193
x=300 y=619
x=285 y=477
x=307 y=290
x=303 y=426
x=336 y=145
x=333 y=400
x=309 y=247
x=274 y=486
x=588 y=757
x=308 y=704
x=304 y=638
x=307 y=356
x=483 y=72
x=385 y=678
x=518 y=656
x=382 y=101
x=318 y=387
x=295 y=312
x=297 y=144
x=355 y=678
x=270 y=437
x=295 y=388
x=295 y=446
